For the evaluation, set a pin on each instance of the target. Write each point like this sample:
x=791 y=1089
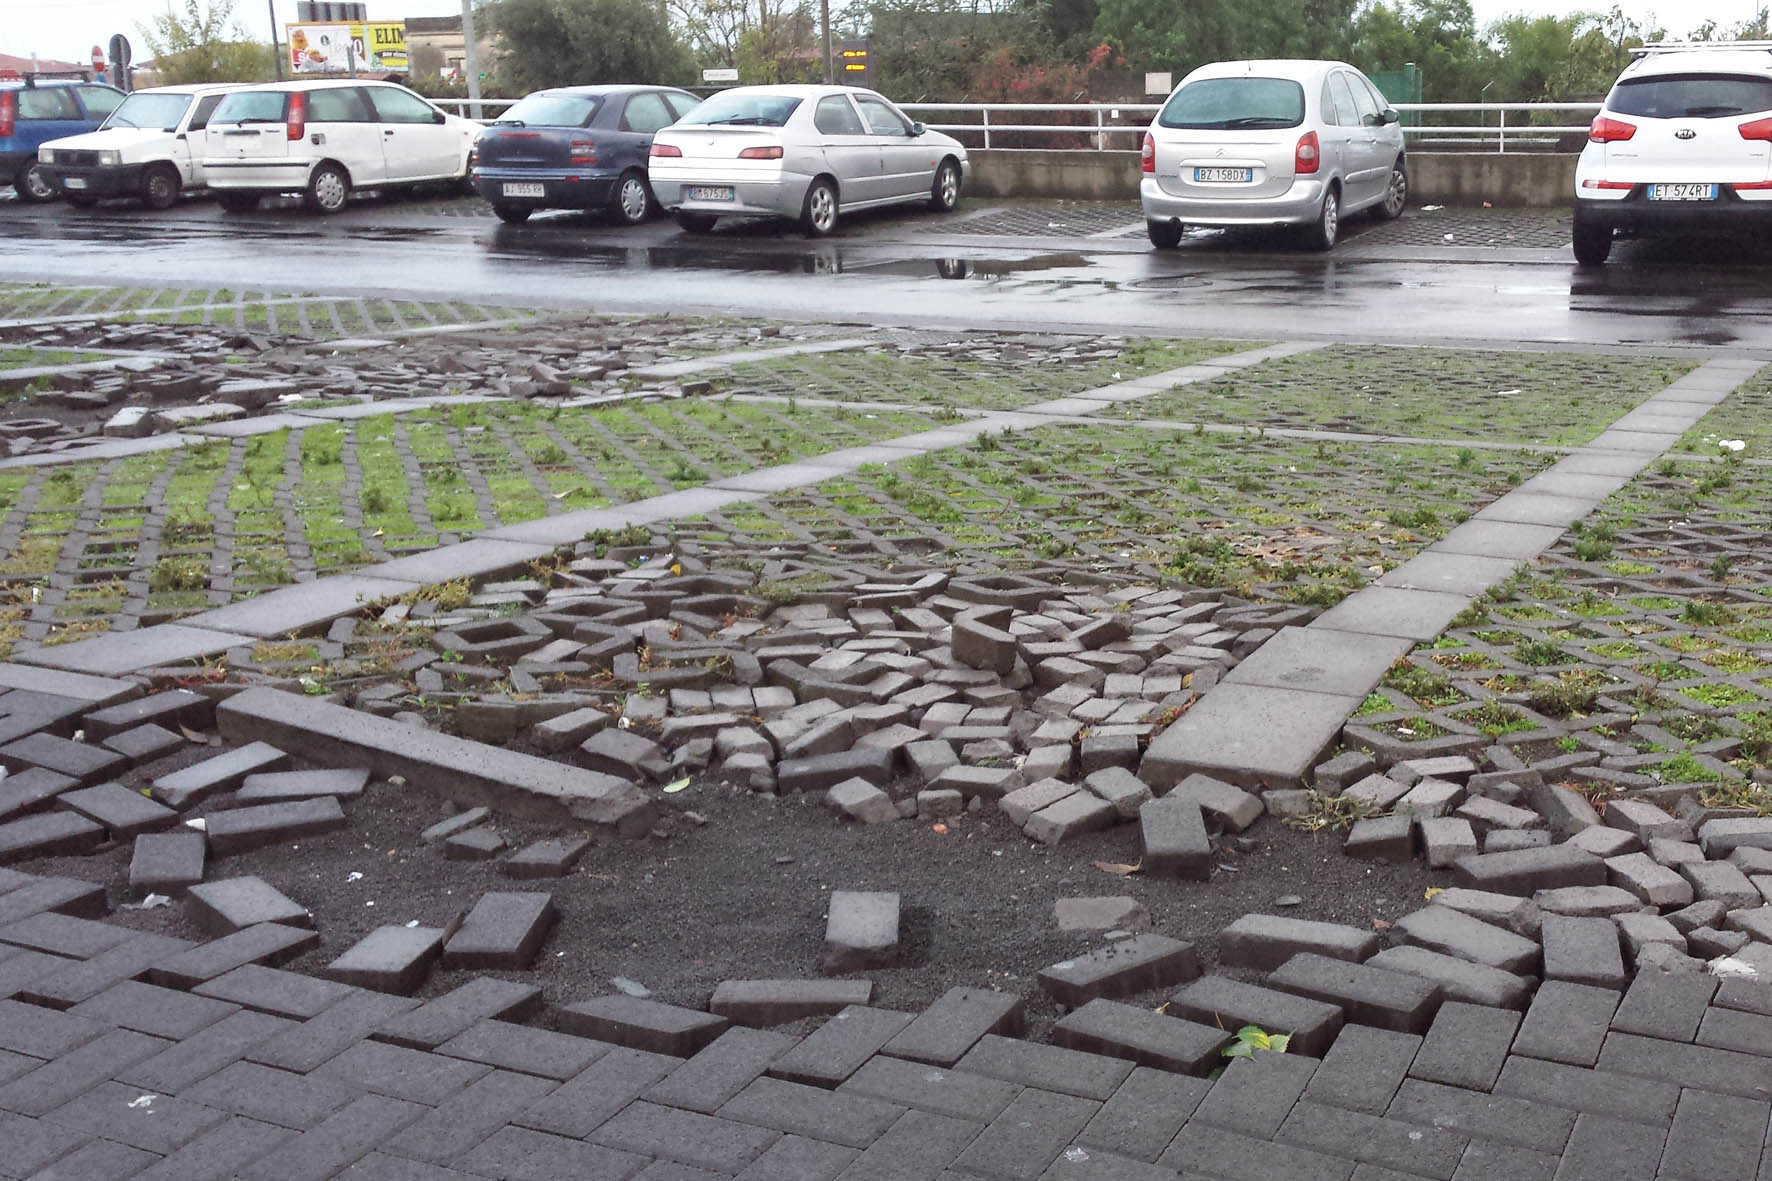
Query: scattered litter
x=353 y=876
x=151 y=902
x=371 y=902
x=939 y=829
x=1733 y=967
x=1073 y=1153
x=1447 y=238
x=1506 y=393
x=1288 y=900
x=198 y=823
x=1432 y=208
x=1732 y=444
x=631 y=987
x=411 y=923
x=143 y=1100
x=1118 y=868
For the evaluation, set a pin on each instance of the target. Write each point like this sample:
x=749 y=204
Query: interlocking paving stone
x=151 y=1122
x=1028 y=1136
x=1422 y=1149
x=1602 y=1149
x=223 y=907
x=1580 y=1088
x=88 y=764
x=272 y=990
x=940 y=1091
x=166 y=863
x=797 y=1158
x=24 y=791
x=243 y=829
x=1143 y=1116
x=851 y=1119
x=1363 y=1069
x=276 y=787
x=526 y=1155
x=1265 y=941
x=98 y=1160
x=1451 y=932
x=276 y=1096
x=1487 y=1160
x=1248 y=735
x=124 y=813
x=43 y=1033
x=51 y=834
x=304 y=1046
x=143 y=744
x=1466 y=1046
x=587 y=1100
x=267 y=943
x=687 y=1137
x=776 y=1002
x=1731 y=1029
x=950 y=1026
x=65 y=935
x=1521 y=871
x=1369 y=996
x=1214 y=1152
x=438 y=1020
x=182 y=1065
x=1712 y=1069
x=379 y=1166
x=1230 y=1004
x=1054 y=1068
x=73 y=983
x=392 y=959
x=55 y=894
x=642 y=1024
x=1567 y=1023
x=194 y=784
x=174 y=707
x=335 y=1141
x=1254 y=1095
x=468 y=1116
x=217 y=1153
x=525 y=1049
x=54 y=1083
x=839 y=1047
x=146 y=1008
x=1460 y=980
x=1508 y=1118
x=721 y=1070
x=1714 y=1136
x=1145 y=1037
x=32 y=1144
x=1583 y=951
x=505 y=929
x=18 y=967
x=1664 y=1005
x=1121 y=968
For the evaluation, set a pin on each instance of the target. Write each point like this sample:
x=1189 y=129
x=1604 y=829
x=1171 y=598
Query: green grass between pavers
x=24 y=358
x=1553 y=399
x=1745 y=417
x=1300 y=521
x=921 y=379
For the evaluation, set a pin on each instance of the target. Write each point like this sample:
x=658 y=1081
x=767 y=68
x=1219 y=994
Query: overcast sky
x=68 y=29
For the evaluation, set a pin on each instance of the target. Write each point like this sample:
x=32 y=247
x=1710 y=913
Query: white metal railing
x=1103 y=121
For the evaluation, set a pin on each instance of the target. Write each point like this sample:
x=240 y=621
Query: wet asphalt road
x=912 y=269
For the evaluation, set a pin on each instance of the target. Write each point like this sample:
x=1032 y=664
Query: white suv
x=1683 y=144
x=322 y=139
x=151 y=147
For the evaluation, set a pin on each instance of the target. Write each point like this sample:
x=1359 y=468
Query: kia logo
x=1685 y=133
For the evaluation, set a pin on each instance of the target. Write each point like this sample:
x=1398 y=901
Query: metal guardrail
x=1102 y=121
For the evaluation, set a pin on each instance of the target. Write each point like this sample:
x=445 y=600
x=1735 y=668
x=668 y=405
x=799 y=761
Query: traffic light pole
x=471 y=59
x=276 y=49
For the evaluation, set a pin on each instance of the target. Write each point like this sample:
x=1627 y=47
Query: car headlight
x=45 y=156
x=110 y=159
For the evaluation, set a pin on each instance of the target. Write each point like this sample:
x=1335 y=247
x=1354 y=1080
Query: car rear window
x=747 y=110
x=553 y=110
x=47 y=102
x=1691 y=96
x=1219 y=104
x=250 y=106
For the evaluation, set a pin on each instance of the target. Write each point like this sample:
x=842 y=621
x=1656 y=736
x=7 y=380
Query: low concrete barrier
x=1519 y=179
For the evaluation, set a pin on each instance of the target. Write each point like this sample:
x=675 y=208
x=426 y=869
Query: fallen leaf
x=939 y=829
x=1431 y=891
x=1118 y=868
x=676 y=786
x=1381 y=925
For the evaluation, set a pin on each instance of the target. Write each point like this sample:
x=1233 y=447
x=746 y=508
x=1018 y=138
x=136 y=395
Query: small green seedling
x=1251 y=1038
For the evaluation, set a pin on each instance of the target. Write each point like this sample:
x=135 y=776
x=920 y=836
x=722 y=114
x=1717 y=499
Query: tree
x=205 y=44
x=568 y=42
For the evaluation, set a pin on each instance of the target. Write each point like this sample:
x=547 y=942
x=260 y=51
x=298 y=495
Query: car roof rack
x=1653 y=47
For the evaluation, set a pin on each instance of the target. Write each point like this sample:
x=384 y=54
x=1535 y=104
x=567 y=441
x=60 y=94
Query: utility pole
x=824 y=9
x=472 y=58
x=276 y=49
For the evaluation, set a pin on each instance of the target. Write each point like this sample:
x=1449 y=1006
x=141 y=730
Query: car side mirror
x=918 y=129
x=1386 y=117
x=439 y=118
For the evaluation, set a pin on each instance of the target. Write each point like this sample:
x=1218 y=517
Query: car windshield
x=551 y=110
x=1691 y=96
x=1224 y=103
x=143 y=109
x=250 y=106
x=740 y=109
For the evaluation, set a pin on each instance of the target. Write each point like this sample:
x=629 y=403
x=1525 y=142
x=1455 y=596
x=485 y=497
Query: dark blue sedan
x=576 y=147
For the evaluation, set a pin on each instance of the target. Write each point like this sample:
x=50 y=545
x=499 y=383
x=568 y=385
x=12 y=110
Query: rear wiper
x=244 y=122
x=1258 y=121
x=736 y=120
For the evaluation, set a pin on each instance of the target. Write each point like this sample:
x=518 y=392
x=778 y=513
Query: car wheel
x=514 y=215
x=81 y=202
x=237 y=202
x=1397 y=196
x=32 y=185
x=818 y=214
x=696 y=223
x=1593 y=243
x=1320 y=235
x=631 y=200
x=1164 y=234
x=945 y=193
x=160 y=187
x=328 y=190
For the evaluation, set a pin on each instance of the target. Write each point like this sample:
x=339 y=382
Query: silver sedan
x=810 y=153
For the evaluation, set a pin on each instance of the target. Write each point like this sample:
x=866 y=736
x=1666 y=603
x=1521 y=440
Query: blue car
x=576 y=147
x=34 y=111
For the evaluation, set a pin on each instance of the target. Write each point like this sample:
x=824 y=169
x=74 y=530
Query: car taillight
x=1758 y=129
x=760 y=154
x=298 y=117
x=584 y=151
x=8 y=113
x=1147 y=155
x=666 y=150
x=1307 y=155
x=1605 y=131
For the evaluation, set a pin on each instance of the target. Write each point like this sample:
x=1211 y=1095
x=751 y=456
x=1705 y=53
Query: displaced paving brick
x=124 y=813
x=1523 y=871
x=1254 y=1095
x=1228 y=806
x=1228 y=1004
x=57 y=895
x=839 y=1047
x=1363 y=1070
x=438 y=1020
x=243 y=829
x=166 y=863
x=1429 y=799
x=64 y=935
x=1390 y=839
x=1070 y=817
x=267 y=943
x=1121 y=788
x=460 y=822
x=1466 y=1045
x=1173 y=832
x=476 y=844
x=1583 y=951
x=642 y=1024
x=819 y=772
x=175 y=707
x=1147 y=1038
x=73 y=983
x=1718 y=838
x=1506 y=1118
x=1051 y=1068
x=392 y=959
x=776 y=1002
x=1265 y=941
x=862 y=801
x=1459 y=980
x=51 y=834
x=277 y=787
x=1519 y=915
x=221 y=908
x=551 y=857
x=26 y=791
x=1444 y=839
x=271 y=990
x=1718 y=881
x=947 y=1029
x=861 y=931
x=88 y=764
x=1121 y=968
x=1369 y=996
x=1587 y=901
x=721 y=1070
x=1452 y=932
x=1567 y=1023
x=504 y=930
x=194 y=784
x=586 y=1101
x=523 y=1048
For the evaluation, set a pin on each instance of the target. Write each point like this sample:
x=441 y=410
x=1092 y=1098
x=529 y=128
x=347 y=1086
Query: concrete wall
x=1514 y=179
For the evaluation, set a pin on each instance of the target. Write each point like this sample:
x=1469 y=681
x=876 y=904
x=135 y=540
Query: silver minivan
x=1266 y=143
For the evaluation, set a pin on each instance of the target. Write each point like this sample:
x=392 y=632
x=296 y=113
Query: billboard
x=376 y=47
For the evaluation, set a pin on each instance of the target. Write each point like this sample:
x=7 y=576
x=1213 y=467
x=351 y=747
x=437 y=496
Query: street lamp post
x=276 y=48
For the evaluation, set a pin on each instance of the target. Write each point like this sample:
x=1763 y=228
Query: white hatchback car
x=1269 y=143
x=322 y=139
x=151 y=147
x=1682 y=144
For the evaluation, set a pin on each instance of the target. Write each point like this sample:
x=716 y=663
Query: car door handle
x=389 y=131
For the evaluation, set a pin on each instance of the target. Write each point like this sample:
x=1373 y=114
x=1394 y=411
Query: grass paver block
x=166 y=863
x=1583 y=951
x=504 y=930
x=275 y=787
x=840 y=1047
x=1121 y=968
x=51 y=834
x=861 y=931
x=1265 y=941
x=1369 y=996
x=1143 y=1116
x=1466 y=1045
x=642 y=1024
x=194 y=784
x=1454 y=933
x=1253 y=1095
x=267 y=943
x=1050 y=1068
x=1525 y=871
x=392 y=959
x=226 y=906
x=240 y=830
x=1147 y=1038
x=1173 y=833
x=88 y=764
x=1459 y=979
x=942 y=1033
x=1227 y=1004
x=764 y=1003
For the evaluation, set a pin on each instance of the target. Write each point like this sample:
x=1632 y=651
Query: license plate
x=524 y=190
x=710 y=192
x=73 y=182
x=1683 y=192
x=1222 y=175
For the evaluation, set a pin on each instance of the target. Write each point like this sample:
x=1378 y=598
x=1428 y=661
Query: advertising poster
x=378 y=47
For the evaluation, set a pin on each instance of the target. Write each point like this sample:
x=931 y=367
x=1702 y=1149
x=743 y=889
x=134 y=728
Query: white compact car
x=151 y=147
x=322 y=139
x=1683 y=144
x=810 y=153
x=1270 y=143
